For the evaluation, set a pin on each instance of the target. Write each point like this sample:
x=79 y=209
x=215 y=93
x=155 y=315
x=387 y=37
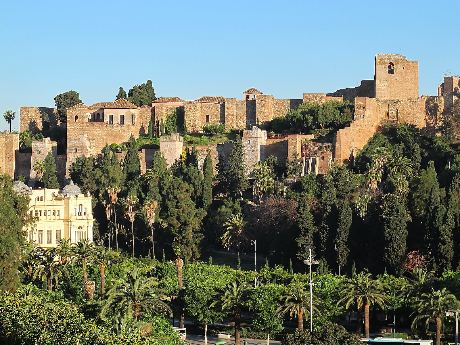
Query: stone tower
x=396 y=78
x=171 y=147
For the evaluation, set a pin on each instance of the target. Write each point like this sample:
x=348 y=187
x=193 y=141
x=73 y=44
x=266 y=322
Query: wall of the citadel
x=365 y=89
x=161 y=111
x=34 y=118
x=320 y=98
x=402 y=83
x=9 y=144
x=85 y=137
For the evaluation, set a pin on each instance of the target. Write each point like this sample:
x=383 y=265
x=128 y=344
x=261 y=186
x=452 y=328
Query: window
x=76 y=118
x=80 y=234
x=41 y=198
x=40 y=213
x=31 y=235
x=110 y=119
x=54 y=212
x=31 y=213
x=133 y=119
x=122 y=119
x=207 y=118
x=49 y=236
x=58 y=235
x=40 y=236
x=36 y=213
x=80 y=209
x=391 y=68
x=57 y=213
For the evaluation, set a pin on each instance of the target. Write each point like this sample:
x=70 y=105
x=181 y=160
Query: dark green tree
x=14 y=216
x=208 y=175
x=232 y=173
x=50 y=179
x=64 y=101
x=82 y=172
x=142 y=94
x=344 y=222
x=181 y=218
x=307 y=228
x=121 y=94
x=395 y=219
x=131 y=165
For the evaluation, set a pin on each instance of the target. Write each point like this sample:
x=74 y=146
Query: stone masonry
x=9 y=145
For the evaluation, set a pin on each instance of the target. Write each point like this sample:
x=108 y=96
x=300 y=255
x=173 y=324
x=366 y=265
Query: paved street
x=199 y=340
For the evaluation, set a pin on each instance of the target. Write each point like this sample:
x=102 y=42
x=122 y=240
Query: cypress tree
x=307 y=228
x=208 y=175
x=131 y=166
x=395 y=218
x=344 y=221
x=232 y=173
x=50 y=179
x=121 y=94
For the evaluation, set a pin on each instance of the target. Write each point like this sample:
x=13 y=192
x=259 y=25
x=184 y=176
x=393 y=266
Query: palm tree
x=234 y=232
x=85 y=252
x=134 y=296
x=65 y=251
x=130 y=213
x=9 y=116
x=432 y=307
x=296 y=302
x=362 y=291
x=48 y=268
x=104 y=257
x=233 y=301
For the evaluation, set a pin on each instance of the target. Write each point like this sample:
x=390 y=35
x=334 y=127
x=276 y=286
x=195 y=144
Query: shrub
x=331 y=334
x=214 y=129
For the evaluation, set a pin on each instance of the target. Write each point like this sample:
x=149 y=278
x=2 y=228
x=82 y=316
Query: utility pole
x=450 y=313
x=255 y=261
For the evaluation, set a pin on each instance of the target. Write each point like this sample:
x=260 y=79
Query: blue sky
x=195 y=48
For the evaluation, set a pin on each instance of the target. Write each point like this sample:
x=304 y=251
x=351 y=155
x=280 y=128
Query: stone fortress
x=392 y=96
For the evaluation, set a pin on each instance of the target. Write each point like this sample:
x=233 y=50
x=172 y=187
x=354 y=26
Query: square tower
x=396 y=78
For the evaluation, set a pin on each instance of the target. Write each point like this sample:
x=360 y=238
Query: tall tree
x=395 y=218
x=307 y=227
x=208 y=175
x=363 y=292
x=64 y=101
x=82 y=172
x=296 y=302
x=344 y=222
x=9 y=116
x=181 y=218
x=142 y=94
x=232 y=172
x=121 y=94
x=14 y=216
x=131 y=164
x=50 y=179
x=432 y=307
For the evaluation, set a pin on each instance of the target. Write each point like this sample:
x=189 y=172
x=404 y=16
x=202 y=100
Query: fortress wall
x=401 y=84
x=33 y=118
x=9 y=144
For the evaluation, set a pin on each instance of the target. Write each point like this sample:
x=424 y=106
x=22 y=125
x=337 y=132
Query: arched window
x=76 y=118
x=391 y=68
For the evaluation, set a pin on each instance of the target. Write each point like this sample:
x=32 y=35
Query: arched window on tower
x=391 y=68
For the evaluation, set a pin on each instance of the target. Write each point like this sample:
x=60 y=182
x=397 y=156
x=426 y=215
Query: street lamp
x=452 y=313
x=254 y=242
x=311 y=262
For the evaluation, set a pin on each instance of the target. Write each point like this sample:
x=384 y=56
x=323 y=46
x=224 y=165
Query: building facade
x=59 y=214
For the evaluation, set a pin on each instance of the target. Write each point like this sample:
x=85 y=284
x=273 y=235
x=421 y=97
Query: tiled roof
x=253 y=91
x=118 y=104
x=211 y=99
x=168 y=100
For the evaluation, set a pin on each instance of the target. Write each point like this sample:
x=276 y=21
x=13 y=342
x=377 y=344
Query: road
x=199 y=340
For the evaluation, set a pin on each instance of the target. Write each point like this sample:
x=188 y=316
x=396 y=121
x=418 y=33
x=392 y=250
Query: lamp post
x=451 y=313
x=254 y=242
x=149 y=209
x=311 y=262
